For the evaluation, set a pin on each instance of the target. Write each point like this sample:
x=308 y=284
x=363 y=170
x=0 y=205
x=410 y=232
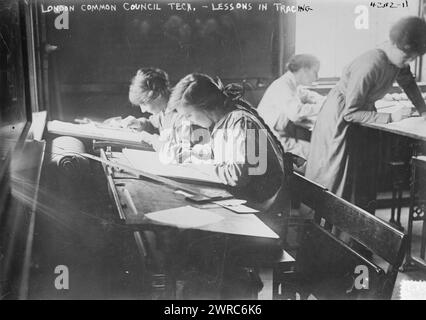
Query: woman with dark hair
x=247 y=158
x=365 y=80
x=286 y=104
x=245 y=155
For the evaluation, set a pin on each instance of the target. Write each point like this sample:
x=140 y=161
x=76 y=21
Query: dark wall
x=96 y=58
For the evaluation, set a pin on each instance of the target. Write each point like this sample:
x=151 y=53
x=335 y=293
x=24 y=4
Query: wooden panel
x=361 y=225
x=306 y=191
x=327 y=266
x=364 y=227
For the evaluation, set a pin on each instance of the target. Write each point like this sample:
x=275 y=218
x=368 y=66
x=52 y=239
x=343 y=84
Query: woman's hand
x=152 y=139
x=146 y=137
x=401 y=114
x=133 y=123
x=114 y=122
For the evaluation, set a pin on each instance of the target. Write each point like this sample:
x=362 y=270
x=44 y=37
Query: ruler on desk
x=198 y=195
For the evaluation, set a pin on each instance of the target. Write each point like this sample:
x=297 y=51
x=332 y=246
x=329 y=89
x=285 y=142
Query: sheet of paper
x=413 y=123
x=242 y=209
x=185 y=217
x=231 y=202
x=149 y=162
x=236 y=205
x=414 y=126
x=392 y=105
x=413 y=290
x=241 y=224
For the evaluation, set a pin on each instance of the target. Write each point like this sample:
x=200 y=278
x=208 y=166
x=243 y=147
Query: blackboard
x=109 y=46
x=101 y=51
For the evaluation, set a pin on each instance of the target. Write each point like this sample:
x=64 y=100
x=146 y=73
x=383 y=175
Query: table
x=135 y=197
x=147 y=196
x=415 y=129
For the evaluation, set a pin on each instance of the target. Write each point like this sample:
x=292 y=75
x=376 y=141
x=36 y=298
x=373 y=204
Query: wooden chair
x=327 y=267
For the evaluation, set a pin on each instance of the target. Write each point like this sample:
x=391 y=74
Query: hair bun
x=233 y=91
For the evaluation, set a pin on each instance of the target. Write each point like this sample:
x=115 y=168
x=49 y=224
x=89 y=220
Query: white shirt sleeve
x=272 y=107
x=283 y=102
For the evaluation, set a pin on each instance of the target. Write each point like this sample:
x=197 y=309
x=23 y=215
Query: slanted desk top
x=414 y=127
x=89 y=131
x=136 y=197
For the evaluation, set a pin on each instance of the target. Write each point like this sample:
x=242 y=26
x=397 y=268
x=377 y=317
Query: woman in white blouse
x=286 y=103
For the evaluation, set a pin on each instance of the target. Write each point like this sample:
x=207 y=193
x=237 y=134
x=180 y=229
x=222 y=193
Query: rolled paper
x=66 y=156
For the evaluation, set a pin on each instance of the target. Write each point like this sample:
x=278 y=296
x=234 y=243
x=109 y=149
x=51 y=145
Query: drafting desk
x=414 y=128
x=147 y=196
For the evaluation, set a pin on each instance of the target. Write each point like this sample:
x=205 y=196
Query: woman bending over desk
x=247 y=158
x=244 y=153
x=334 y=143
x=150 y=91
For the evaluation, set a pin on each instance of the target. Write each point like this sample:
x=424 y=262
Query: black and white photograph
x=227 y=152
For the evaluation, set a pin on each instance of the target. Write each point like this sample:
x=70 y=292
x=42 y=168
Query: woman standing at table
x=367 y=79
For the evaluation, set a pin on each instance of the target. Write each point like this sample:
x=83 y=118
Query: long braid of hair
x=234 y=93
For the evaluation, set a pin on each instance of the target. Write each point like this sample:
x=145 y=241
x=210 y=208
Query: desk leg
x=173 y=263
x=398 y=214
x=408 y=264
x=394 y=205
x=423 y=242
x=416 y=213
x=159 y=248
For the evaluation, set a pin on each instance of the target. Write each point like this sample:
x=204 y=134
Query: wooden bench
x=364 y=265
